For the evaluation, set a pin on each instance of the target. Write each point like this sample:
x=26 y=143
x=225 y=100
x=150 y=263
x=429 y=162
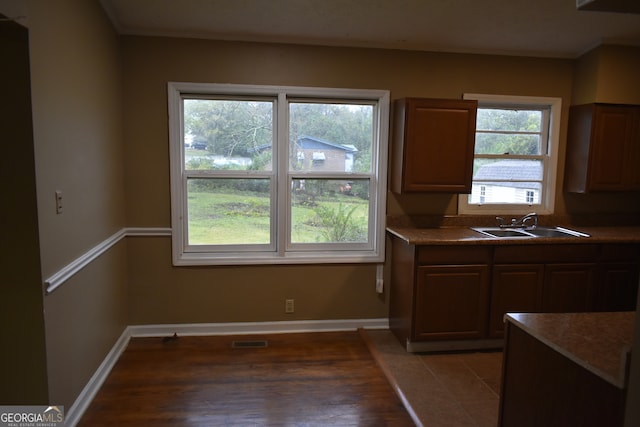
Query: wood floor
x=319 y=379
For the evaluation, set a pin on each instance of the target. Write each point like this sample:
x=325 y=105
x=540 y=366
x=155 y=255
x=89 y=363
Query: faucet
x=530 y=220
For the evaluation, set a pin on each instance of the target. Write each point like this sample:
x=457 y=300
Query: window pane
x=229 y=211
x=506 y=181
x=228 y=134
x=507 y=170
x=330 y=137
x=329 y=211
x=500 y=143
x=526 y=193
x=509 y=120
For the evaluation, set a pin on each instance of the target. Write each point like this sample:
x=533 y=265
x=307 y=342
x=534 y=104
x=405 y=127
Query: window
x=515 y=159
x=279 y=175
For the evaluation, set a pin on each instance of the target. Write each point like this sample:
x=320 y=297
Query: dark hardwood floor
x=315 y=379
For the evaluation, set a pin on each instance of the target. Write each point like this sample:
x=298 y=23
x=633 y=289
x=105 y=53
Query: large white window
x=263 y=174
x=516 y=155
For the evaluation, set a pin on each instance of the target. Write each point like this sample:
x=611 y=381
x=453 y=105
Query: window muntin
x=277 y=175
x=515 y=155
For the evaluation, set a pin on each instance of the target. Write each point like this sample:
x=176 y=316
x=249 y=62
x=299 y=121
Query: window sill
x=259 y=258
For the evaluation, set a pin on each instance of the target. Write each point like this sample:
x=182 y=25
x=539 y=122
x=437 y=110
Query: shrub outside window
x=263 y=174
x=515 y=158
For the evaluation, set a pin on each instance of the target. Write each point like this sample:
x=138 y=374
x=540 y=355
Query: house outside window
x=286 y=175
x=515 y=158
x=531 y=197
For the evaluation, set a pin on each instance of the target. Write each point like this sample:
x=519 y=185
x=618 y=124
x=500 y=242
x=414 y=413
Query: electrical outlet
x=288 y=306
x=58 y=202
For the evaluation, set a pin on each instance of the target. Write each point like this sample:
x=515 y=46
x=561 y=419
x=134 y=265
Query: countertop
x=599 y=342
x=459 y=235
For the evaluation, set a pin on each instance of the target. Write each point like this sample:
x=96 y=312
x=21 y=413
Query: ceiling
x=547 y=28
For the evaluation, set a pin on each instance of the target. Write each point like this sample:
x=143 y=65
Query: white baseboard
x=82 y=402
x=73 y=415
x=245 y=328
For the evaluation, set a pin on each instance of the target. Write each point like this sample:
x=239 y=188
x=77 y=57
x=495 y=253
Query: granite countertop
x=464 y=235
x=599 y=342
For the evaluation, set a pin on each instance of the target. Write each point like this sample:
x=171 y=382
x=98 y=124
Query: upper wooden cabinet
x=603 y=148
x=433 y=142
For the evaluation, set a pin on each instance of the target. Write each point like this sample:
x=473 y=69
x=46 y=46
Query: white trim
x=547 y=205
x=280 y=251
x=90 y=390
x=58 y=278
x=92 y=387
x=65 y=273
x=245 y=328
x=148 y=231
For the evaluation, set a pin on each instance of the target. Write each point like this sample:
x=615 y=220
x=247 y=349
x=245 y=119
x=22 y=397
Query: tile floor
x=452 y=390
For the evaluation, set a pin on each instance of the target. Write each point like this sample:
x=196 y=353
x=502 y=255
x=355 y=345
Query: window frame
x=549 y=159
x=282 y=252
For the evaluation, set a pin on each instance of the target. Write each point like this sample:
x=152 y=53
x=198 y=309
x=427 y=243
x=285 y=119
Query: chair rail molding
x=57 y=279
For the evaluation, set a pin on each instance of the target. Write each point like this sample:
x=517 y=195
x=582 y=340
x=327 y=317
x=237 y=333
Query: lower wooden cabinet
x=618 y=283
x=457 y=292
x=569 y=288
x=451 y=302
x=619 y=290
x=514 y=288
x=439 y=293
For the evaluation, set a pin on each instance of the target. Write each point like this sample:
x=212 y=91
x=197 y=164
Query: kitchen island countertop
x=599 y=342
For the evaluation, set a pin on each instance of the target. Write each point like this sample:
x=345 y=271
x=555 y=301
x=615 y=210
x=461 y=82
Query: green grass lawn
x=244 y=218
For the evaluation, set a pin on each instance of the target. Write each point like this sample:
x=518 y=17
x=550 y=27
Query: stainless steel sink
x=502 y=232
x=528 y=233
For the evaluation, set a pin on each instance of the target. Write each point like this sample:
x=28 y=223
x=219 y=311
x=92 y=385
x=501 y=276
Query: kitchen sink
x=520 y=233
x=502 y=232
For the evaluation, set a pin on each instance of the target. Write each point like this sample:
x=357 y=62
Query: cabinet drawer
x=454 y=255
x=509 y=254
x=620 y=252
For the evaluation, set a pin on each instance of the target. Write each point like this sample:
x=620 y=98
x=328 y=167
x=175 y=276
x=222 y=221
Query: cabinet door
x=514 y=288
x=433 y=145
x=613 y=133
x=569 y=288
x=451 y=302
x=632 y=168
x=619 y=287
x=603 y=148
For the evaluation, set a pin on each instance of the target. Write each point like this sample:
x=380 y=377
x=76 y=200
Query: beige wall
x=76 y=95
x=84 y=318
x=608 y=74
x=161 y=293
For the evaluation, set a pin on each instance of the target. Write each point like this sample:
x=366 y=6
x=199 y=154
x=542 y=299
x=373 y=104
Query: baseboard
x=73 y=415
x=82 y=402
x=245 y=328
